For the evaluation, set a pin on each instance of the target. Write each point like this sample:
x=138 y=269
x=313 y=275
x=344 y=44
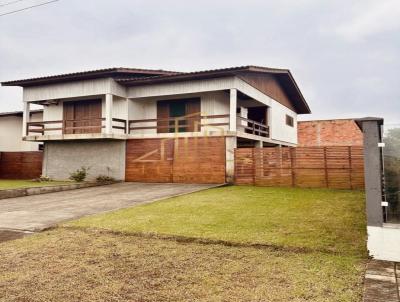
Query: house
x=159 y=126
x=327 y=133
x=11 y=131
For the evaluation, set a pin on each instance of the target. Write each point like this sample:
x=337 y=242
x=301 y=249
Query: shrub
x=80 y=174
x=104 y=178
x=42 y=178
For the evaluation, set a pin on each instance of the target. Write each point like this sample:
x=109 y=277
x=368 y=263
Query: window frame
x=289 y=120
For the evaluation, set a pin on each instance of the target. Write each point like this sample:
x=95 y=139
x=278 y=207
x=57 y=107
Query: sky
x=343 y=54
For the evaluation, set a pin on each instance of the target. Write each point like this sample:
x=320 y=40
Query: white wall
x=384 y=243
x=278 y=128
x=11 y=134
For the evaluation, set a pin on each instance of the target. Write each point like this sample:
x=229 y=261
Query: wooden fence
x=21 y=165
x=320 y=167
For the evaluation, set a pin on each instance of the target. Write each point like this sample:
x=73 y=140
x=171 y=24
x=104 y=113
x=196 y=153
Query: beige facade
x=140 y=102
x=11 y=132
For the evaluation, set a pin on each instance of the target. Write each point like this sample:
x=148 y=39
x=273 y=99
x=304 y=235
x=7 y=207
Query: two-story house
x=160 y=126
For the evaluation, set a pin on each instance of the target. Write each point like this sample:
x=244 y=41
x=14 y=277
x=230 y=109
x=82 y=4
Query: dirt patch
x=6 y=235
x=89 y=265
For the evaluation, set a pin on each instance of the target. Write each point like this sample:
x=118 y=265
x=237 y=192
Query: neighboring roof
x=19 y=113
x=90 y=74
x=328 y=120
x=284 y=76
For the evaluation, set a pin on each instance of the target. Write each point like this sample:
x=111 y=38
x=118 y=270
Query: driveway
x=38 y=212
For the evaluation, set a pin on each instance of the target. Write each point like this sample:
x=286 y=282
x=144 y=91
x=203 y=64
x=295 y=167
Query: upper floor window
x=83 y=116
x=182 y=115
x=289 y=121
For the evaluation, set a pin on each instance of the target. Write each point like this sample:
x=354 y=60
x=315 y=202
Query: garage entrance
x=179 y=160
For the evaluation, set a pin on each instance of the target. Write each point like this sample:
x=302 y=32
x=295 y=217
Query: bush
x=42 y=178
x=104 y=178
x=80 y=174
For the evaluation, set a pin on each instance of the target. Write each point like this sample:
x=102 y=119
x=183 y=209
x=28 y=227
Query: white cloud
x=371 y=18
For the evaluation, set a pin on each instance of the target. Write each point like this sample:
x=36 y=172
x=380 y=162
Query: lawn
x=6 y=184
x=224 y=244
x=316 y=219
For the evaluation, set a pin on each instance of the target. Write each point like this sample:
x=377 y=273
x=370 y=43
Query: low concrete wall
x=384 y=243
x=102 y=157
x=12 y=193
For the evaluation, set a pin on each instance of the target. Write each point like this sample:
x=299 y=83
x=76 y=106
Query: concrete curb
x=12 y=193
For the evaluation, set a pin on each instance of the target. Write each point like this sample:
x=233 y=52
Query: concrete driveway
x=38 y=212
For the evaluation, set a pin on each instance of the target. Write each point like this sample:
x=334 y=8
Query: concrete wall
x=103 y=158
x=11 y=133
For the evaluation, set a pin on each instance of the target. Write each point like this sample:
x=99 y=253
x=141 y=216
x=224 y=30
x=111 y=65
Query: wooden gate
x=180 y=160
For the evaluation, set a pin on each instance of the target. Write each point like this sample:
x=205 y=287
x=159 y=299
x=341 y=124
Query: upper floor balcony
x=111 y=117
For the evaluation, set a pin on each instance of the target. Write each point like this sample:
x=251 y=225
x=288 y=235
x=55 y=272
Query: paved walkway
x=382 y=282
x=38 y=212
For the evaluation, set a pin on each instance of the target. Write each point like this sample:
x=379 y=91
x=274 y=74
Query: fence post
x=350 y=168
x=326 y=168
x=292 y=166
x=254 y=166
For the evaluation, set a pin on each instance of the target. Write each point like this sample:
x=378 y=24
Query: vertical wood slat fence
x=21 y=165
x=338 y=167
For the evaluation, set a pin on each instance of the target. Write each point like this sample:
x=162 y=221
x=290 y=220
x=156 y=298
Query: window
x=289 y=121
x=187 y=110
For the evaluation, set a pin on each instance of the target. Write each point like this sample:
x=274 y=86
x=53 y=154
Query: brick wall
x=342 y=132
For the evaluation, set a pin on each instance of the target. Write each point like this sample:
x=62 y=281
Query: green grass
x=312 y=249
x=315 y=219
x=6 y=184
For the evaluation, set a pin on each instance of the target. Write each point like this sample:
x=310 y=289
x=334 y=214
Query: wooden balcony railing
x=81 y=126
x=192 y=123
x=252 y=127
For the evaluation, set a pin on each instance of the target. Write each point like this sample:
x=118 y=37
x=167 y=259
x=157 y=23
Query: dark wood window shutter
x=162 y=113
x=193 y=112
x=68 y=112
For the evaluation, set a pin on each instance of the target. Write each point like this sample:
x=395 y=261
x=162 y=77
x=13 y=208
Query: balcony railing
x=73 y=126
x=252 y=127
x=193 y=123
x=190 y=123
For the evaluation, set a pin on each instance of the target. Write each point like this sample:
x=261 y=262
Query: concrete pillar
x=108 y=115
x=371 y=128
x=258 y=144
x=25 y=118
x=232 y=110
x=230 y=145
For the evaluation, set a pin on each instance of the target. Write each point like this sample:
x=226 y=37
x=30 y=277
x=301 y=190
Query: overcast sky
x=343 y=54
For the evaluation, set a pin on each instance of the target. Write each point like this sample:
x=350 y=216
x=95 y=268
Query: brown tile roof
x=284 y=76
x=134 y=76
x=90 y=74
x=198 y=74
x=19 y=113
